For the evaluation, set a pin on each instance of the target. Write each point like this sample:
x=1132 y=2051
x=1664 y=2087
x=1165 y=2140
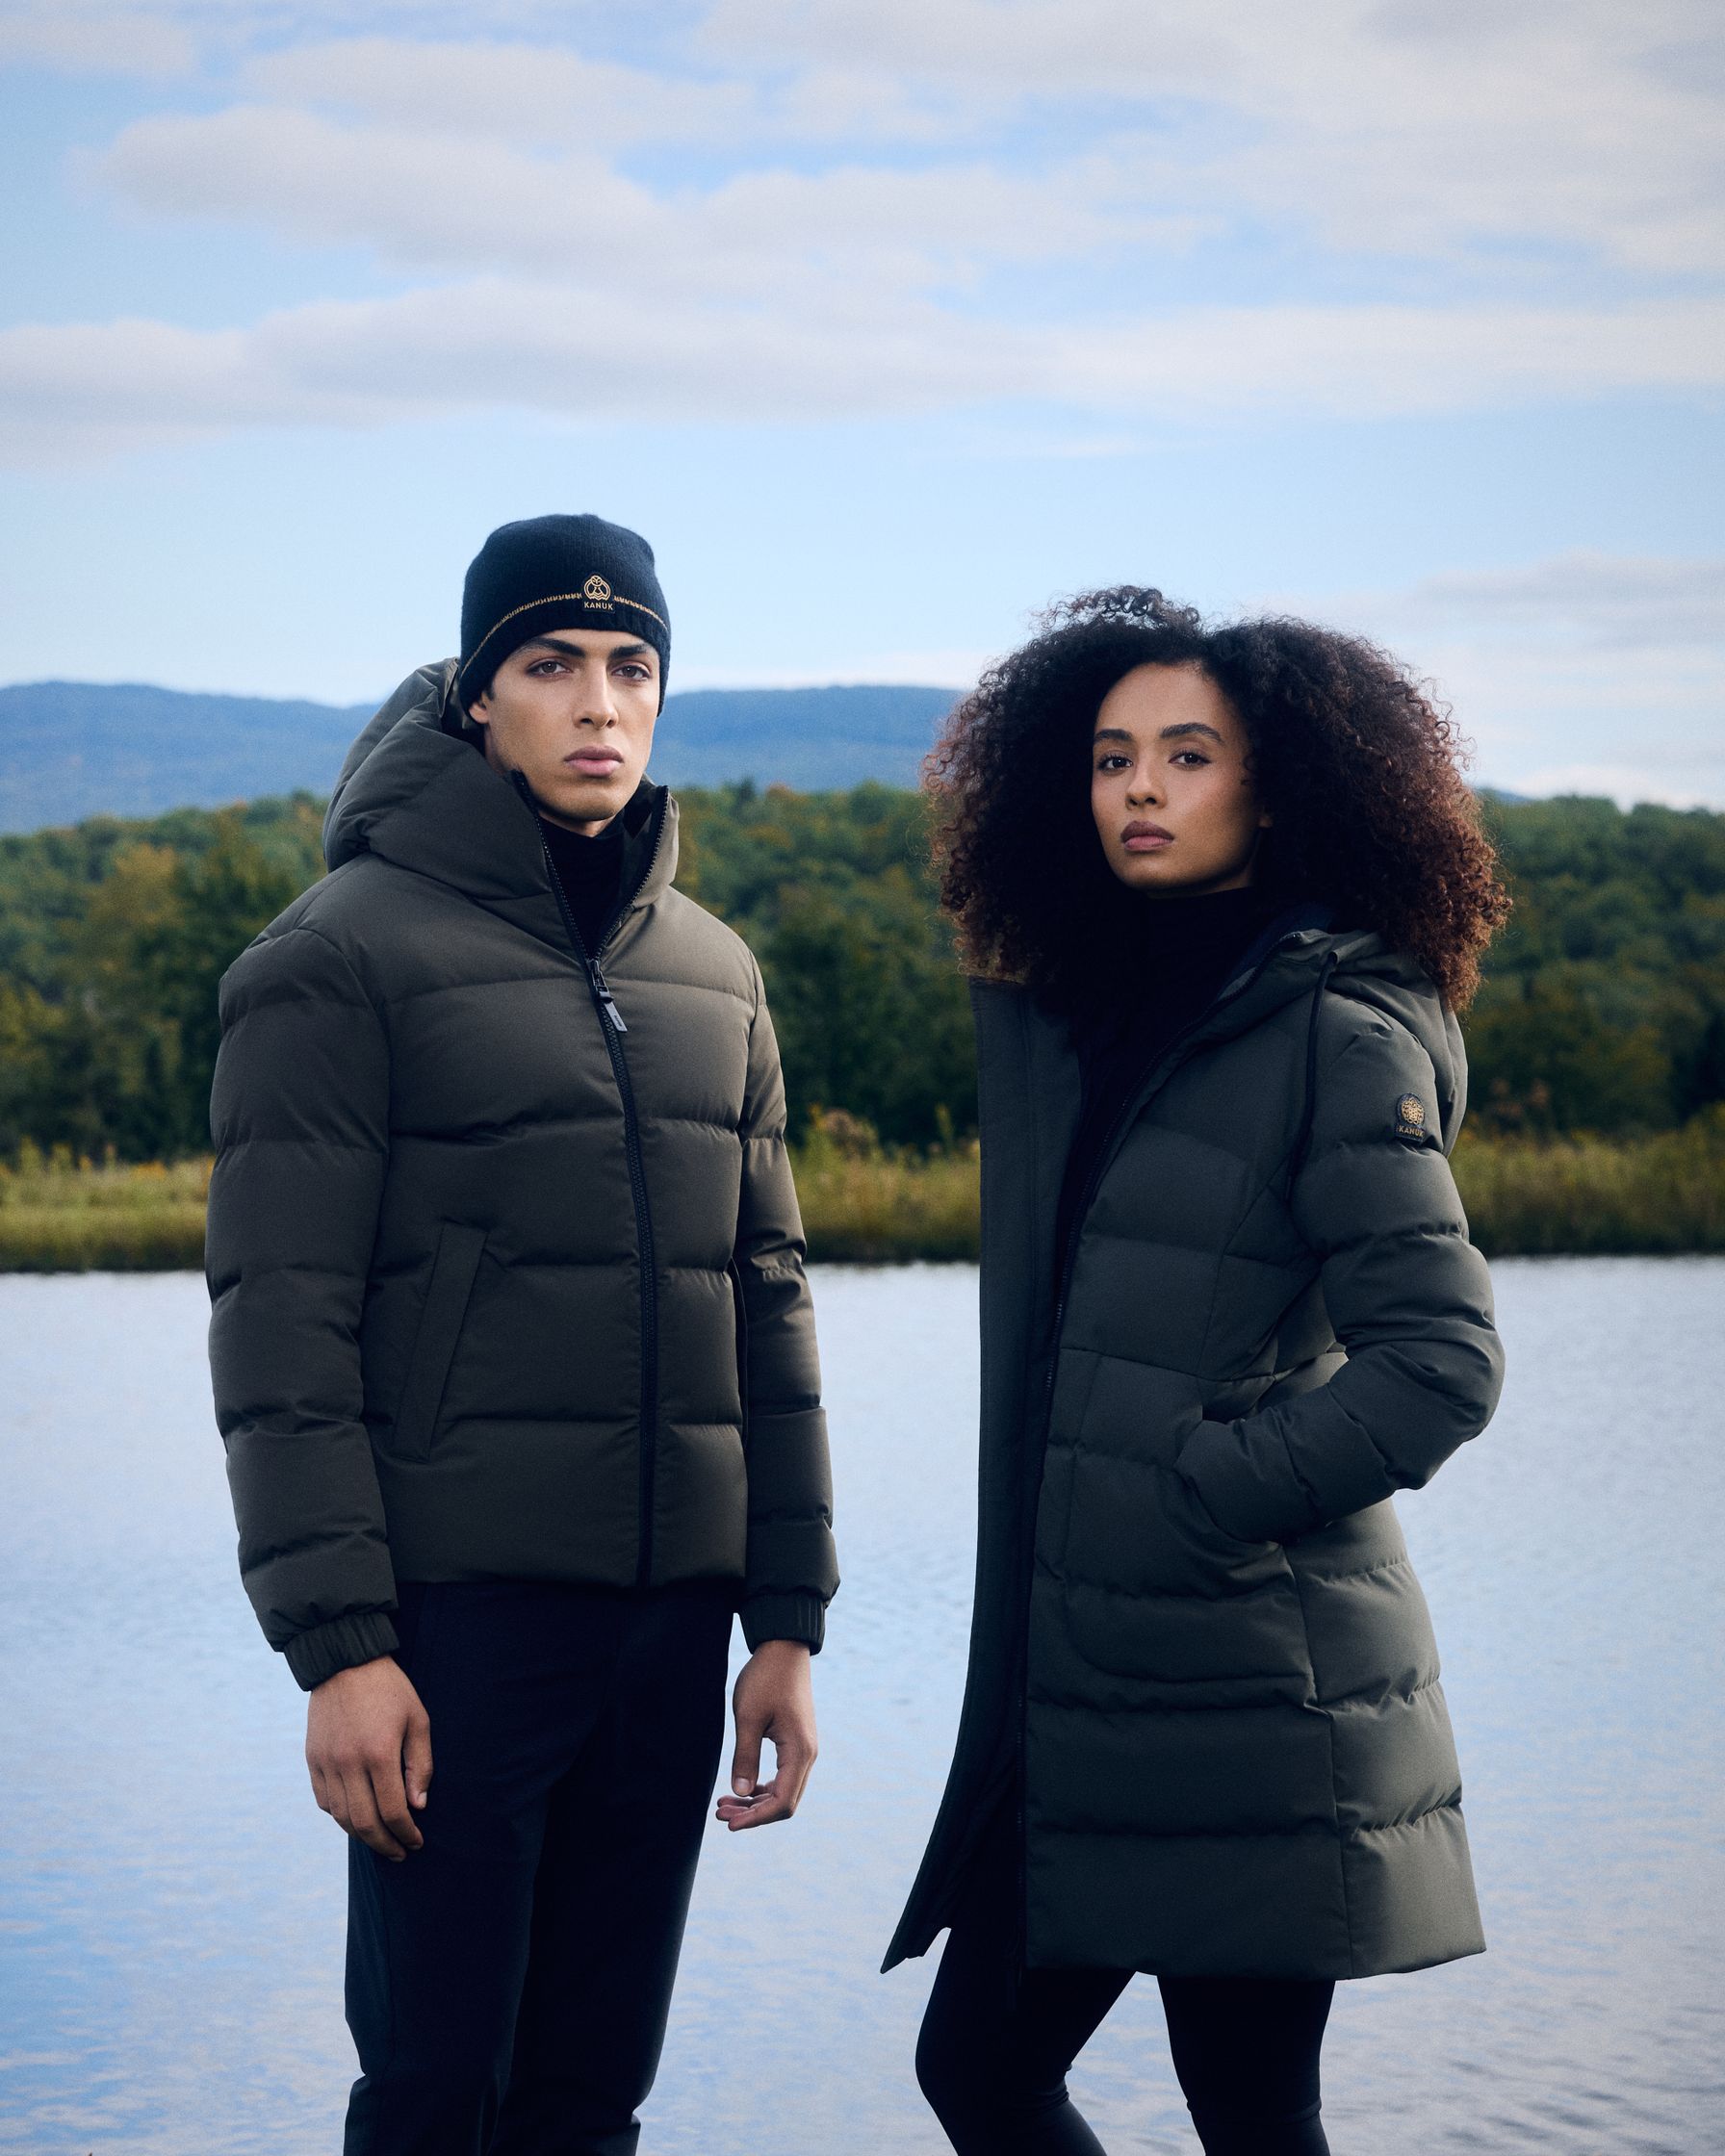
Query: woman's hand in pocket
x=1148 y=1531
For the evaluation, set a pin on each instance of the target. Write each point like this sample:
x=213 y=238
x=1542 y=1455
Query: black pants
x=997 y=2040
x=509 y=1985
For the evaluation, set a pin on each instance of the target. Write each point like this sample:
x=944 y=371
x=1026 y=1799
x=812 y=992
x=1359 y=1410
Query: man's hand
x=367 y=1743
x=773 y=1699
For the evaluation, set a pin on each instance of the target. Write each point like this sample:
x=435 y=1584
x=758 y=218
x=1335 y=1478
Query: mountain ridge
x=80 y=749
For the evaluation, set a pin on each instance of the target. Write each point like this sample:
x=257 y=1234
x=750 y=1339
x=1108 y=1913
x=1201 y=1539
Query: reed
x=63 y=1215
x=1661 y=1194
x=872 y=1204
x=865 y=1203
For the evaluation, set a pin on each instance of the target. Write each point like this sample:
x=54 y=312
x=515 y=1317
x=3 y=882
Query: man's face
x=573 y=711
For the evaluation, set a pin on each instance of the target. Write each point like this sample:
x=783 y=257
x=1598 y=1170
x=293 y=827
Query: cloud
x=108 y=41
x=1637 y=740
x=1619 y=602
x=519 y=93
x=582 y=353
x=542 y=93
x=228 y=30
x=814 y=249
x=1682 y=783
x=1640 y=725
x=1583 y=673
x=850 y=291
x=1383 y=361
x=1421 y=129
x=486 y=344
x=428 y=199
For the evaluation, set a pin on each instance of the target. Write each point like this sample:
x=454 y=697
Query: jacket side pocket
x=441 y=1316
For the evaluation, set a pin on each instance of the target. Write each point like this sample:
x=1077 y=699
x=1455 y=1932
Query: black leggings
x=997 y=2040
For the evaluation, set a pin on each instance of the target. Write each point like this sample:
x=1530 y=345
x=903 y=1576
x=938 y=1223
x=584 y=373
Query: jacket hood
x=1359 y=965
x=1367 y=970
x=413 y=790
x=1291 y=962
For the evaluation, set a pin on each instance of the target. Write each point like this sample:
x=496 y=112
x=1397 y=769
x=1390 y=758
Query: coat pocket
x=441 y=1316
x=1154 y=1588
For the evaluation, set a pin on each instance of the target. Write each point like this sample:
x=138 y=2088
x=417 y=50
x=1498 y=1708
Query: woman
x=1225 y=892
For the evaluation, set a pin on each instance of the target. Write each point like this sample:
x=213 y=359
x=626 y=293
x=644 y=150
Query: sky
x=887 y=321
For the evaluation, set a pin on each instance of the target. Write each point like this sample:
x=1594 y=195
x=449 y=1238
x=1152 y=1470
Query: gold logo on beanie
x=597 y=592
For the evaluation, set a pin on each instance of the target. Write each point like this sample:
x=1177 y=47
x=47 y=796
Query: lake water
x=170 y=1901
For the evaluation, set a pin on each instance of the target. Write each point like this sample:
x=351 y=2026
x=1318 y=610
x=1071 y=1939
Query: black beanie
x=548 y=573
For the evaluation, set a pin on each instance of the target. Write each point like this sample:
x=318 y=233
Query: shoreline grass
x=1659 y=1195
x=868 y=1204
x=61 y=1214
x=865 y=1203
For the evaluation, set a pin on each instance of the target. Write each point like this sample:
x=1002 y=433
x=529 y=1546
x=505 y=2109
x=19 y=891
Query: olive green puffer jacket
x=1201 y=1657
x=504 y=1253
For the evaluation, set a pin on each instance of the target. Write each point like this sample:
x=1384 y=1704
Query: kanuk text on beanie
x=550 y=572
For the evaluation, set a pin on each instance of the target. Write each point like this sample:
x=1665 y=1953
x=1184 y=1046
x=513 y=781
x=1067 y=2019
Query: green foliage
x=46 y=877
x=834 y=893
x=1604 y=1003
x=1603 y=1009
x=115 y=936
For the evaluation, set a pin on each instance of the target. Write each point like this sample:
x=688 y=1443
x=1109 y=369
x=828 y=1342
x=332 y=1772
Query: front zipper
x=611 y=1025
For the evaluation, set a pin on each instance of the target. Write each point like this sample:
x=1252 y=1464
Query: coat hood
x=1365 y=969
x=415 y=791
x=1301 y=955
x=1298 y=957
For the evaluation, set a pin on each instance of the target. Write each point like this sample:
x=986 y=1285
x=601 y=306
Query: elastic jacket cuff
x=800 y=1617
x=343 y=1643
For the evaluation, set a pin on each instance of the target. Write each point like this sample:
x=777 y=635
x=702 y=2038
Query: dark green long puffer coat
x=1200 y=1653
x=491 y=1279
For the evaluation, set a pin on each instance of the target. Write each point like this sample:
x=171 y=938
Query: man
x=515 y=1363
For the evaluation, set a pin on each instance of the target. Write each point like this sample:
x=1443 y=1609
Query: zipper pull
x=602 y=993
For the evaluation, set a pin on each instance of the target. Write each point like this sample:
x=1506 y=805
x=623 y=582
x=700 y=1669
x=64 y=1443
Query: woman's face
x=1170 y=789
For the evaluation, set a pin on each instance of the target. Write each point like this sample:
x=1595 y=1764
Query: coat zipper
x=1162 y=1069
x=613 y=1028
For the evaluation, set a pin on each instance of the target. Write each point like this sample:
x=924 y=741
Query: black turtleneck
x=1167 y=958
x=590 y=871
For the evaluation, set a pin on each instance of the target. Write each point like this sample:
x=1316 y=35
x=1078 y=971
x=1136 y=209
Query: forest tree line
x=1602 y=1008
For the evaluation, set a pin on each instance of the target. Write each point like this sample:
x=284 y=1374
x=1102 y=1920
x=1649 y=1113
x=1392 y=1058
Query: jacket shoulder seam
x=329 y=943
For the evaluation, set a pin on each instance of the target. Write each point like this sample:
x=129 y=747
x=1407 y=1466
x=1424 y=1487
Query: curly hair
x=1359 y=768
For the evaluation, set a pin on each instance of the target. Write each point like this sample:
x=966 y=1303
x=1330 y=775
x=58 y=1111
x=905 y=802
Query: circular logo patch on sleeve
x=1410 y=1117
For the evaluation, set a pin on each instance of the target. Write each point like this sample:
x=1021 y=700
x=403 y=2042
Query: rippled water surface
x=170 y=1902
